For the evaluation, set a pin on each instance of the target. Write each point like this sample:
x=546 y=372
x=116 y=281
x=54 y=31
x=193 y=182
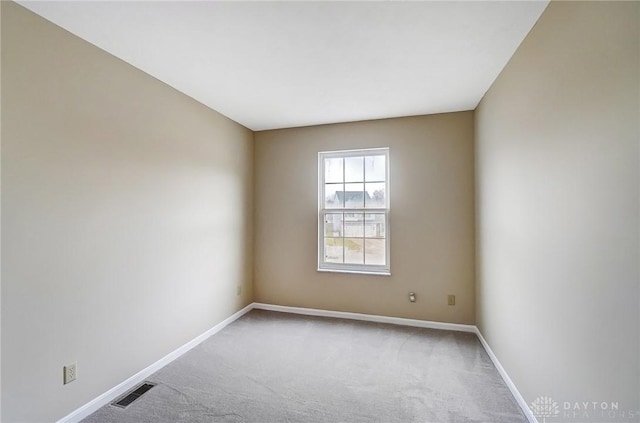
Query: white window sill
x=357 y=272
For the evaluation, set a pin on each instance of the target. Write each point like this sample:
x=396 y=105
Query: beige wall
x=558 y=207
x=0 y=214
x=126 y=217
x=432 y=222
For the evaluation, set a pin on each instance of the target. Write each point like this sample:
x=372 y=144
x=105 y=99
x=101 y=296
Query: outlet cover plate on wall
x=70 y=373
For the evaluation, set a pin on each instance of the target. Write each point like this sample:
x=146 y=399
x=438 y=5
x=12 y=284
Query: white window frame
x=349 y=267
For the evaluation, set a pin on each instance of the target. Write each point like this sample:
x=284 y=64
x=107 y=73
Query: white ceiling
x=273 y=65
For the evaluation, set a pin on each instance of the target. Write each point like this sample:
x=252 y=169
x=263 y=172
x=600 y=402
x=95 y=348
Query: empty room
x=314 y=211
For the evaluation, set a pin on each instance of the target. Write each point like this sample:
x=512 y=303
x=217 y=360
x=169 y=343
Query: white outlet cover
x=70 y=373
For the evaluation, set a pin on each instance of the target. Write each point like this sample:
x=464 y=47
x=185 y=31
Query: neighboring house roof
x=358 y=196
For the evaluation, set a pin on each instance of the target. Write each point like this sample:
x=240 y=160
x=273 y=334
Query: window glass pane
x=374 y=226
x=333 y=251
x=333 y=196
x=333 y=170
x=354 y=225
x=374 y=251
x=353 y=250
x=353 y=169
x=375 y=195
x=333 y=225
x=374 y=168
x=354 y=196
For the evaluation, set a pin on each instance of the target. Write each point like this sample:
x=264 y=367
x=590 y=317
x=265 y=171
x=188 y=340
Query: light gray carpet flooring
x=278 y=367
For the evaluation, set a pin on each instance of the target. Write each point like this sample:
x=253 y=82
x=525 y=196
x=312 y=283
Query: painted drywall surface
x=126 y=217
x=431 y=218
x=0 y=214
x=558 y=206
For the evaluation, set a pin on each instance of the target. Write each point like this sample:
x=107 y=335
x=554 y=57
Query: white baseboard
x=367 y=317
x=507 y=380
x=125 y=386
x=113 y=393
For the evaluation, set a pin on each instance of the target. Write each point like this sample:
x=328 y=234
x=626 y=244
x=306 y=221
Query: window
x=353 y=211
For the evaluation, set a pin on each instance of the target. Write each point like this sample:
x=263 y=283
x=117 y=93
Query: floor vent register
x=128 y=399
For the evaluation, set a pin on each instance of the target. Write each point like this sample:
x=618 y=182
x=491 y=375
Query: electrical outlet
x=239 y=290
x=70 y=373
x=412 y=297
x=452 y=300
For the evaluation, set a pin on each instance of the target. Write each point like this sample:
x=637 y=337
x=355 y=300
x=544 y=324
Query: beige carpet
x=277 y=367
